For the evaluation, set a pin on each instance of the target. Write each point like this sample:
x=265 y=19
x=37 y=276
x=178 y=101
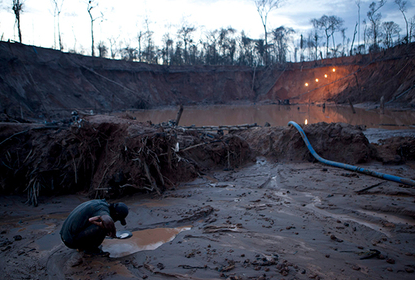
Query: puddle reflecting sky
x=279 y=115
x=149 y=239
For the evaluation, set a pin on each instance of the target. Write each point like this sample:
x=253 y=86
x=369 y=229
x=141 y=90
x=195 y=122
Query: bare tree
x=102 y=49
x=374 y=18
x=129 y=53
x=336 y=24
x=314 y=37
x=402 y=7
x=330 y=25
x=140 y=37
x=365 y=37
x=91 y=5
x=227 y=44
x=411 y=28
x=211 y=54
x=166 y=51
x=282 y=36
x=57 y=12
x=264 y=7
x=18 y=8
x=354 y=36
x=149 y=54
x=185 y=34
x=358 y=21
x=391 y=29
x=113 y=46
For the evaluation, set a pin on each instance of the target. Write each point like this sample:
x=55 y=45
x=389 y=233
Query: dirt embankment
x=361 y=78
x=48 y=84
x=109 y=157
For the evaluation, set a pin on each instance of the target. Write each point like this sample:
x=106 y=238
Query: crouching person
x=88 y=224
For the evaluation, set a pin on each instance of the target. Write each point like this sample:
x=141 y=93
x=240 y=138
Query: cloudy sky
x=123 y=19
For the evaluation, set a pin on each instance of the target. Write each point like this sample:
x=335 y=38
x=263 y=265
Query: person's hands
x=105 y=222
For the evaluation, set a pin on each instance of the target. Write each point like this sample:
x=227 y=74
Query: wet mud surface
x=266 y=220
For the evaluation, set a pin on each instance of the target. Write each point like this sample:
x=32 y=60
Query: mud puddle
x=142 y=240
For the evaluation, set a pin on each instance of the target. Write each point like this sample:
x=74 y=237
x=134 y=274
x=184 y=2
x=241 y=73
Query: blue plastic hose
x=406 y=181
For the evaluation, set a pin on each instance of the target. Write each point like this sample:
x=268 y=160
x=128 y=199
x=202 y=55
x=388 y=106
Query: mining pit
x=245 y=202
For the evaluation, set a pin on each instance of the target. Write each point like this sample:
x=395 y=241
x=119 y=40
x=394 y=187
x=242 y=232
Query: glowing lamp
x=325 y=75
x=306 y=121
x=306 y=84
x=334 y=70
x=316 y=79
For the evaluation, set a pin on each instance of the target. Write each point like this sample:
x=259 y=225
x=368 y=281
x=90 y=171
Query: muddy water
x=142 y=240
x=279 y=115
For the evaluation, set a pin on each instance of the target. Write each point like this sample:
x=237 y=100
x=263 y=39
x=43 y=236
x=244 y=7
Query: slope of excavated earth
x=45 y=84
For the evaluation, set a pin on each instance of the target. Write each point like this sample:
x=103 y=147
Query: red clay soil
x=361 y=78
x=45 y=84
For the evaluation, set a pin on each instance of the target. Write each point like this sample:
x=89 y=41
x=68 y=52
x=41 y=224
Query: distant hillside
x=44 y=83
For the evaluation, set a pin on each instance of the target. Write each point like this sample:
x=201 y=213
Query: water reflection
x=149 y=239
x=279 y=115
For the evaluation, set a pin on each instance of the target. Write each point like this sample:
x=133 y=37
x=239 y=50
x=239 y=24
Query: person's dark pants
x=89 y=239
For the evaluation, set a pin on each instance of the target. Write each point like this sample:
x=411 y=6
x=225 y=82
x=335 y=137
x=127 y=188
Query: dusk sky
x=124 y=19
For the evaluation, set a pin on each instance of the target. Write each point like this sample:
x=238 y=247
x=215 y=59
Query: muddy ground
x=256 y=212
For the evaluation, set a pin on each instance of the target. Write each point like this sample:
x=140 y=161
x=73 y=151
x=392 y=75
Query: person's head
x=119 y=211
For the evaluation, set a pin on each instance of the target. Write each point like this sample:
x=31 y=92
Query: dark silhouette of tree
x=246 y=50
x=315 y=37
x=177 y=58
x=102 y=50
x=336 y=25
x=185 y=34
x=211 y=54
x=91 y=5
x=129 y=53
x=264 y=7
x=226 y=45
x=57 y=12
x=365 y=37
x=167 y=49
x=149 y=53
x=330 y=25
x=113 y=47
x=375 y=18
x=390 y=29
x=140 y=38
x=18 y=9
x=260 y=49
x=354 y=36
x=402 y=7
x=281 y=37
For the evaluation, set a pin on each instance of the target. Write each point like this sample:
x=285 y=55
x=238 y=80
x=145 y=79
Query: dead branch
x=27 y=156
x=158 y=171
x=370 y=187
x=152 y=182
